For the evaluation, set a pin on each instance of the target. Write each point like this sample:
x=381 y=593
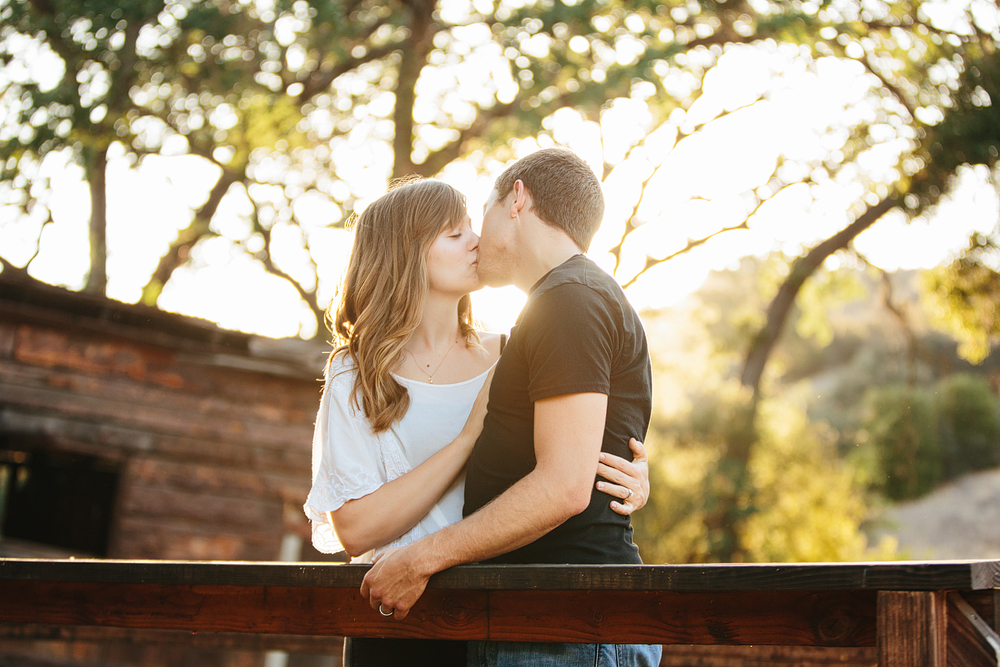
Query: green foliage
x=921 y=437
x=968 y=414
x=796 y=501
x=962 y=298
x=970 y=132
x=820 y=293
x=901 y=430
x=810 y=505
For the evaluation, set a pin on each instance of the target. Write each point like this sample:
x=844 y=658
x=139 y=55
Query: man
x=574 y=380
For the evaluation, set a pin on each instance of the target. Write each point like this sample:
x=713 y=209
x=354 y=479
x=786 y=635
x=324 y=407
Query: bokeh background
x=802 y=201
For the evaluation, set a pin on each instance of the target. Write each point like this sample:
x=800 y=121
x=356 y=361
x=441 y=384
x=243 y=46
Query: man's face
x=497 y=249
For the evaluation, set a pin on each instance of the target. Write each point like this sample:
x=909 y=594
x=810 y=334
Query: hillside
x=956 y=521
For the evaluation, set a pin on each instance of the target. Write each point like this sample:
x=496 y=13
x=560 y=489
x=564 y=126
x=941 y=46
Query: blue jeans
x=525 y=654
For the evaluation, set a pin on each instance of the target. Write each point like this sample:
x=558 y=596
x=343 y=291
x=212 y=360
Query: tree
x=932 y=89
x=276 y=97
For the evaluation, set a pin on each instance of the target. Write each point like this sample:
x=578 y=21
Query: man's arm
x=568 y=432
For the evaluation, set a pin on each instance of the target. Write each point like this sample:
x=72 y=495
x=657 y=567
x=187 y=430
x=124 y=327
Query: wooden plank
x=154 y=538
x=108 y=406
x=28 y=632
x=8 y=336
x=227 y=377
x=971 y=640
x=896 y=575
x=943 y=575
x=206 y=346
x=227 y=480
x=740 y=618
x=912 y=629
x=48 y=306
x=766 y=656
x=258 y=609
x=582 y=616
x=192 y=388
x=117 y=441
x=225 y=512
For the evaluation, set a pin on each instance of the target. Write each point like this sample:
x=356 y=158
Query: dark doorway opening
x=55 y=498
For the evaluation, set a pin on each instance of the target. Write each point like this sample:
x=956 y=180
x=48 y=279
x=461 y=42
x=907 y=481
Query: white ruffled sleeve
x=346 y=460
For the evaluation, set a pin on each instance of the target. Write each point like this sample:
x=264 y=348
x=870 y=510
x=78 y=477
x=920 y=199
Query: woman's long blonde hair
x=385 y=287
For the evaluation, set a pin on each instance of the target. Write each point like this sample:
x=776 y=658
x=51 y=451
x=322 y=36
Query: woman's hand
x=627 y=481
x=474 y=424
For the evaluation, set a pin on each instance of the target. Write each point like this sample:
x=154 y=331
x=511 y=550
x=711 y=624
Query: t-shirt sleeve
x=345 y=461
x=569 y=342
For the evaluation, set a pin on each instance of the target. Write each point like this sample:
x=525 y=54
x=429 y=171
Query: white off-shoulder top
x=350 y=461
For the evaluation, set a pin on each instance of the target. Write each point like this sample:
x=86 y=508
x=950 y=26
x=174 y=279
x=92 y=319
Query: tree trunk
x=730 y=490
x=412 y=61
x=96 y=169
x=777 y=313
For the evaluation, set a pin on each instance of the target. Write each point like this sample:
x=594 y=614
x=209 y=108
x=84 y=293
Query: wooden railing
x=925 y=614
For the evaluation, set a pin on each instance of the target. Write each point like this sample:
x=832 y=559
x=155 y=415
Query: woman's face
x=453 y=260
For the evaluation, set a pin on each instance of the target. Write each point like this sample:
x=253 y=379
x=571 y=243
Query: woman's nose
x=474 y=242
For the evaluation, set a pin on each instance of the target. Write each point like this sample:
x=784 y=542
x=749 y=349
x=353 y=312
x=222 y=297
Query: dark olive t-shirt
x=576 y=334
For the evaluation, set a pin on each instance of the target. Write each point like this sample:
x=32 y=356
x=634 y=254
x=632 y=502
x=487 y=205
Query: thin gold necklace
x=430 y=376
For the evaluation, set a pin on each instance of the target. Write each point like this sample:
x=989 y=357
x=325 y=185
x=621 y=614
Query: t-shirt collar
x=542 y=279
x=538 y=284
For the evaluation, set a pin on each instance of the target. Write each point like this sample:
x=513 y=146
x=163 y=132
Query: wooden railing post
x=912 y=629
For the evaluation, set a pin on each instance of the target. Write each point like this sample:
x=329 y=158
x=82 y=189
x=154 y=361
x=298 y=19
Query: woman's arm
x=394 y=508
x=627 y=481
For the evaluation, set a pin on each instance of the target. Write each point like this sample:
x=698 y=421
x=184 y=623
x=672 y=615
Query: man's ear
x=522 y=199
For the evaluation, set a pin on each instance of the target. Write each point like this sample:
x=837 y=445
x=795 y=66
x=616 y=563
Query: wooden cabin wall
x=214 y=459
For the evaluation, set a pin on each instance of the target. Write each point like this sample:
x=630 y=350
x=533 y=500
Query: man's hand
x=394 y=584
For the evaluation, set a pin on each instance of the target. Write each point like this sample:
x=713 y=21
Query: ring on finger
x=629 y=496
x=382 y=611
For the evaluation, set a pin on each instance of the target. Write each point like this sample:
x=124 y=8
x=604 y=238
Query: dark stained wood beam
x=912 y=628
x=900 y=608
x=794 y=618
x=970 y=575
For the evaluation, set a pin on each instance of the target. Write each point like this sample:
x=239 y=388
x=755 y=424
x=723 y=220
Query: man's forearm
x=530 y=508
x=568 y=432
x=567 y=437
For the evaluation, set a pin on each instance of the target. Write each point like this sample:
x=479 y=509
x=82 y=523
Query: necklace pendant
x=430 y=380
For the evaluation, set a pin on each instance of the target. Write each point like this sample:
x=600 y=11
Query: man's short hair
x=565 y=193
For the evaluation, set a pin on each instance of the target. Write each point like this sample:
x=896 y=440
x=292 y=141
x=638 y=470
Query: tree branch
x=268 y=261
x=802 y=268
x=891 y=87
x=180 y=249
x=319 y=81
x=38 y=243
x=630 y=225
x=440 y=159
x=691 y=245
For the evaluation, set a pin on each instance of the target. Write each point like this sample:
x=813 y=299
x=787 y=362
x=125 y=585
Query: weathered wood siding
x=213 y=441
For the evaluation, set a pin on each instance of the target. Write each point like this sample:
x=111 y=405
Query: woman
x=406 y=395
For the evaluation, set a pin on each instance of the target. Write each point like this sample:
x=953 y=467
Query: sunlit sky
x=700 y=185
